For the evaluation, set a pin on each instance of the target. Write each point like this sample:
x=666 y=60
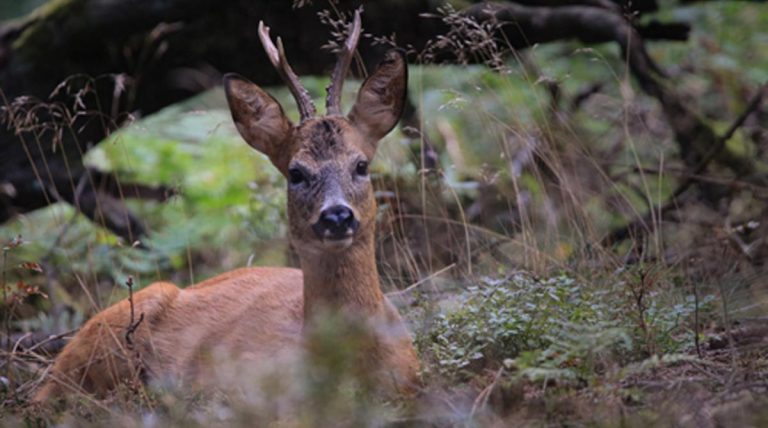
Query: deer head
x=325 y=159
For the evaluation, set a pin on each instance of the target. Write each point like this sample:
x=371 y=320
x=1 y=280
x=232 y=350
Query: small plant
x=556 y=328
x=500 y=319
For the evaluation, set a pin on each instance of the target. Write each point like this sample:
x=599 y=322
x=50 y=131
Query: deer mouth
x=335 y=239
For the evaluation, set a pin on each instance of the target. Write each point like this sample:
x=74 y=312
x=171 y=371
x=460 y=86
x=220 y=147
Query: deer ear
x=259 y=119
x=381 y=98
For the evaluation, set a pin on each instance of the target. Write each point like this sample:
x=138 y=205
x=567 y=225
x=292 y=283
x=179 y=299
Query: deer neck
x=345 y=281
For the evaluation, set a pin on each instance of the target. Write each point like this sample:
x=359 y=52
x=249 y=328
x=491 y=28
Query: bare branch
x=637 y=225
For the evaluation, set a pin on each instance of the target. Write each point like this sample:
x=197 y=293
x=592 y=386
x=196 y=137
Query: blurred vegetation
x=536 y=309
x=16 y=8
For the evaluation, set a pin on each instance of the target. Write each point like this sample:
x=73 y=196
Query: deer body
x=256 y=316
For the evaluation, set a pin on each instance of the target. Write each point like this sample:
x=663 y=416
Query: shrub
x=555 y=328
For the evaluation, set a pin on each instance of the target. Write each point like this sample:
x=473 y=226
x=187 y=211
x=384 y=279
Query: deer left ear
x=381 y=99
x=259 y=119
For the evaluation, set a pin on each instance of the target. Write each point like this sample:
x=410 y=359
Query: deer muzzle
x=336 y=223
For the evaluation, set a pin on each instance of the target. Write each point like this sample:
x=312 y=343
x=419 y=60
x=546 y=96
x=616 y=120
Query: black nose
x=336 y=222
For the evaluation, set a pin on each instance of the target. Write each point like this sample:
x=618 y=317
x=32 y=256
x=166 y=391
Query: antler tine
x=333 y=101
x=278 y=59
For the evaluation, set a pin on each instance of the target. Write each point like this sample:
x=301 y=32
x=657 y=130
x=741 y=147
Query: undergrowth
x=556 y=328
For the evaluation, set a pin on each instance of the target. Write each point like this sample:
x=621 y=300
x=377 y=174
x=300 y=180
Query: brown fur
x=255 y=315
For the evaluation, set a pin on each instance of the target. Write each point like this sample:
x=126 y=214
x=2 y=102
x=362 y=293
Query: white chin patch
x=327 y=235
x=337 y=244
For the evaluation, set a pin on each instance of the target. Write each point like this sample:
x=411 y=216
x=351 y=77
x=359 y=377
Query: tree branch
x=637 y=226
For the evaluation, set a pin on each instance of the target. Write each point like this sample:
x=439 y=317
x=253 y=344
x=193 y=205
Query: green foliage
x=553 y=328
x=14 y=9
x=229 y=195
x=499 y=319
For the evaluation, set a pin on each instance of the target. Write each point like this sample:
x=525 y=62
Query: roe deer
x=255 y=314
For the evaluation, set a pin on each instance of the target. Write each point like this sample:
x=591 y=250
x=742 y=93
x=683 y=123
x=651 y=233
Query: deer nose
x=336 y=222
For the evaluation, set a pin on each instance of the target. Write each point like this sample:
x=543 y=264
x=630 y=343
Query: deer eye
x=296 y=176
x=362 y=168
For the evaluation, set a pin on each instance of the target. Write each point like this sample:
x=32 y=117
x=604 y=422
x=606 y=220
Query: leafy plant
x=550 y=328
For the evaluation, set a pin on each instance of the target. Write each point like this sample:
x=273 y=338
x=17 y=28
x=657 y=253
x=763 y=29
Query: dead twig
x=482 y=399
x=421 y=281
x=696 y=340
x=132 y=326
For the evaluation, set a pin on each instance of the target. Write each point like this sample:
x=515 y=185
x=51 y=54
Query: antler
x=277 y=57
x=333 y=101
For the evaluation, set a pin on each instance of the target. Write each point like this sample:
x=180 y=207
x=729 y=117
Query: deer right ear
x=381 y=99
x=259 y=119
